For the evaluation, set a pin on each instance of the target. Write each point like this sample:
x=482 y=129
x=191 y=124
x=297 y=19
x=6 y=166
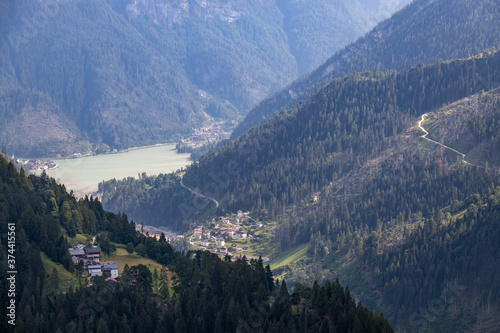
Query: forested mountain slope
x=302 y=150
x=380 y=187
x=121 y=73
x=209 y=294
x=400 y=229
x=423 y=32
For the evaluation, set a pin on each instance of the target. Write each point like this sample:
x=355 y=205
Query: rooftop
x=110 y=267
x=92 y=250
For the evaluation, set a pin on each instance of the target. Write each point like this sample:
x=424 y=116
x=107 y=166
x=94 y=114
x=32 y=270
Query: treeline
x=208 y=294
x=456 y=247
x=423 y=32
x=302 y=150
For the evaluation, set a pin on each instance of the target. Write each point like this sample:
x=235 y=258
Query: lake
x=82 y=175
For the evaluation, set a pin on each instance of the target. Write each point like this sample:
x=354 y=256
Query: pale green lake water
x=82 y=175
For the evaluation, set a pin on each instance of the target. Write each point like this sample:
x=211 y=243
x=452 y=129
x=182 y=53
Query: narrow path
x=442 y=145
x=199 y=194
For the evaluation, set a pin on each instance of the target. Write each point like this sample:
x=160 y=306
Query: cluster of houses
x=213 y=133
x=218 y=234
x=37 y=165
x=90 y=257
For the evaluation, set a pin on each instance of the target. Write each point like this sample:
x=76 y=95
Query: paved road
x=199 y=194
x=442 y=145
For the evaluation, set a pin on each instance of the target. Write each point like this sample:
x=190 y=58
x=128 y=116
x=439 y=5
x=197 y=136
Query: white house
x=204 y=243
x=220 y=241
x=111 y=269
x=95 y=270
x=197 y=234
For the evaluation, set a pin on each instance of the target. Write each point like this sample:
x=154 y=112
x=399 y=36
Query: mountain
x=301 y=150
x=81 y=75
x=316 y=30
x=424 y=32
x=192 y=292
x=350 y=188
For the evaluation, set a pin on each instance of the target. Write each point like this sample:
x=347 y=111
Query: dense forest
x=209 y=294
x=356 y=147
x=302 y=150
x=426 y=31
x=128 y=73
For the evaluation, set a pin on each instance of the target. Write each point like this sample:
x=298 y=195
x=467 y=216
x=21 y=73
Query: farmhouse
x=93 y=253
x=111 y=269
x=95 y=270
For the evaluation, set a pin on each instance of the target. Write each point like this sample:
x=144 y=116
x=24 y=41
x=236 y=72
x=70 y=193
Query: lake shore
x=83 y=174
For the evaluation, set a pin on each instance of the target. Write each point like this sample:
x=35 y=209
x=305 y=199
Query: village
x=38 y=165
x=231 y=236
x=227 y=236
x=215 y=132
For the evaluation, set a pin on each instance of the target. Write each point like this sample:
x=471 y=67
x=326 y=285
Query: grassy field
x=122 y=257
x=65 y=277
x=79 y=238
x=290 y=256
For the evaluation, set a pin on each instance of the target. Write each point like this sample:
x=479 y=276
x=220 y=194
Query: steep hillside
x=118 y=73
x=198 y=292
x=317 y=29
x=380 y=189
x=423 y=32
x=302 y=150
x=470 y=126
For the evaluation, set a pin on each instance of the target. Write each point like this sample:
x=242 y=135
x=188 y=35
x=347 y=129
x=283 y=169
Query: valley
x=326 y=169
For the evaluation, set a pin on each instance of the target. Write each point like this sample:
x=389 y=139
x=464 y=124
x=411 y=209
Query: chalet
x=197 y=234
x=95 y=270
x=223 y=250
x=111 y=269
x=93 y=253
x=110 y=282
x=243 y=234
x=206 y=234
x=204 y=243
x=77 y=255
x=235 y=236
x=240 y=214
x=259 y=224
x=233 y=247
x=220 y=241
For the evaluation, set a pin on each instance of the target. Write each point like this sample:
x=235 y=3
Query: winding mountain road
x=199 y=194
x=442 y=145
